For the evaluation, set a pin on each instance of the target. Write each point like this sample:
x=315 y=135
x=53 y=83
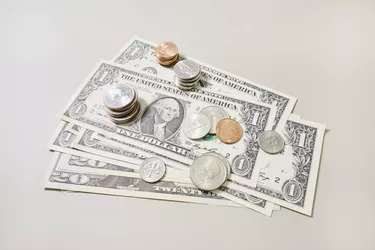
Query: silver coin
x=190 y=81
x=214 y=114
x=186 y=69
x=120 y=114
x=208 y=172
x=271 y=142
x=129 y=117
x=118 y=96
x=152 y=169
x=196 y=126
x=185 y=84
x=223 y=159
x=182 y=87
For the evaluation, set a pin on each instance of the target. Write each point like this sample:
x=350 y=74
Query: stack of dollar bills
x=92 y=154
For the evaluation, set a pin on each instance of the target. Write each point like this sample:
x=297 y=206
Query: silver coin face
x=223 y=159
x=118 y=96
x=271 y=142
x=152 y=169
x=186 y=69
x=208 y=172
x=214 y=114
x=196 y=126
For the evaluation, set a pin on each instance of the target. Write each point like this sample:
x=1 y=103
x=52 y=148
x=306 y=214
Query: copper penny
x=228 y=131
x=166 y=51
x=170 y=62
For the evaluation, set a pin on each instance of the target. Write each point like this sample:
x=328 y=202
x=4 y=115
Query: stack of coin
x=187 y=74
x=209 y=171
x=121 y=103
x=167 y=53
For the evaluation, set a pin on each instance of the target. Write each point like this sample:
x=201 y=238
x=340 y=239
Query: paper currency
x=98 y=165
x=85 y=109
x=289 y=178
x=140 y=54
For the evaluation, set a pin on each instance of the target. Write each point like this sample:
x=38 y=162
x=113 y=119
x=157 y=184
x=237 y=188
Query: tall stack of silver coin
x=121 y=103
x=187 y=74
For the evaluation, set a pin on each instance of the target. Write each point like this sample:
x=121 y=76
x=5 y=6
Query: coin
x=223 y=159
x=169 y=62
x=196 y=126
x=208 y=172
x=119 y=114
x=271 y=142
x=214 y=114
x=152 y=169
x=228 y=131
x=118 y=96
x=186 y=70
x=166 y=51
x=127 y=118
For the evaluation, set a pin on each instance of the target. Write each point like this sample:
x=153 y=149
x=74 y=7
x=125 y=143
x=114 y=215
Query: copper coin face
x=228 y=131
x=166 y=51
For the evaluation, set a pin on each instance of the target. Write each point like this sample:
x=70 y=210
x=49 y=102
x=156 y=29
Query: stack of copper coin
x=121 y=103
x=167 y=53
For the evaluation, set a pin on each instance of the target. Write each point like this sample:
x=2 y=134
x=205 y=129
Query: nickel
x=196 y=126
x=271 y=142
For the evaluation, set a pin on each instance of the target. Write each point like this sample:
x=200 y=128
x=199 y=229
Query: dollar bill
x=289 y=178
x=140 y=53
x=63 y=139
x=86 y=109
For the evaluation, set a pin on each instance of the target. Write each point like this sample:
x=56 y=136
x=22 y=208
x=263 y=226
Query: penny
x=196 y=126
x=271 y=142
x=214 y=114
x=228 y=131
x=118 y=96
x=208 y=172
x=169 y=62
x=166 y=51
x=152 y=169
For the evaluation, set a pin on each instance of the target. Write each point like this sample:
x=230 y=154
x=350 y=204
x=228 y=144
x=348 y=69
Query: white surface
x=319 y=51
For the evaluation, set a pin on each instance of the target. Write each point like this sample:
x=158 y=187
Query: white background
x=322 y=52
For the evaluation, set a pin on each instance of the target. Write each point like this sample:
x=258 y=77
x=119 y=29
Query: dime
x=208 y=172
x=223 y=159
x=186 y=70
x=118 y=96
x=196 y=126
x=152 y=169
x=214 y=114
x=228 y=131
x=166 y=51
x=271 y=142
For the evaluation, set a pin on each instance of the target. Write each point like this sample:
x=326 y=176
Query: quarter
x=208 y=172
x=118 y=96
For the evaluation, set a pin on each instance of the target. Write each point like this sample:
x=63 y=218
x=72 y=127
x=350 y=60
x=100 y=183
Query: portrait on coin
x=162 y=118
